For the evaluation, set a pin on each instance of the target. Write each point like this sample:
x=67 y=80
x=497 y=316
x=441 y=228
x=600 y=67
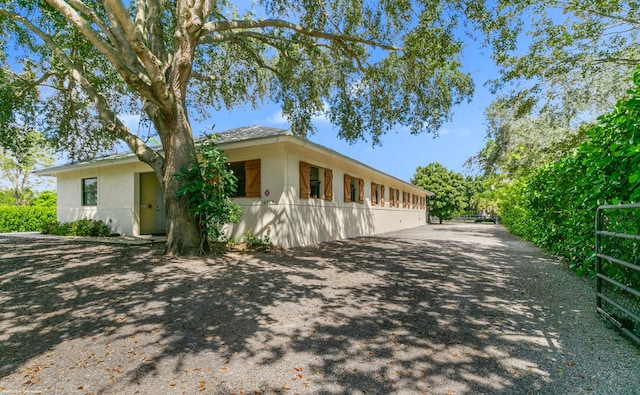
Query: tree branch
x=153 y=66
x=221 y=26
x=255 y=56
x=93 y=17
x=101 y=44
x=107 y=117
x=153 y=28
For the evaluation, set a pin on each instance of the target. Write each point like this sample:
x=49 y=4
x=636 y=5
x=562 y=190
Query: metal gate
x=617 y=255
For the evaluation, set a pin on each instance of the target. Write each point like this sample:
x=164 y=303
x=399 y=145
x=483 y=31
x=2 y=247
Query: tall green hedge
x=555 y=205
x=25 y=218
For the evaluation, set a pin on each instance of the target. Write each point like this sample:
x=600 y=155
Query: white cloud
x=454 y=132
x=277 y=118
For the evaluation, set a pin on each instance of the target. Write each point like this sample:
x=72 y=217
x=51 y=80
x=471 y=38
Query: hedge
x=25 y=218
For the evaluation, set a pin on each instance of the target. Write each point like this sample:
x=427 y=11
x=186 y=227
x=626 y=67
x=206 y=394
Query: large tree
x=370 y=66
x=449 y=189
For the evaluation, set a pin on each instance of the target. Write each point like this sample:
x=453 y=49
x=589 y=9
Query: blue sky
x=401 y=153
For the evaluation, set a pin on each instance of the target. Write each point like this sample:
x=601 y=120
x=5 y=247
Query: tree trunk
x=184 y=234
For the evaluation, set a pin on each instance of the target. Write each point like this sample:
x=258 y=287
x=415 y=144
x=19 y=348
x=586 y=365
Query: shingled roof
x=245 y=133
x=249 y=133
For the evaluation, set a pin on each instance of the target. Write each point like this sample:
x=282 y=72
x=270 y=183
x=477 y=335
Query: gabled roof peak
x=248 y=133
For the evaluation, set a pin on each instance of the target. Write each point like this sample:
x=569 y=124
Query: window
x=377 y=194
x=248 y=175
x=90 y=191
x=315 y=182
x=353 y=189
x=394 y=198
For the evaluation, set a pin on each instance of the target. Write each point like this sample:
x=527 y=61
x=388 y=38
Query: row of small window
x=316 y=182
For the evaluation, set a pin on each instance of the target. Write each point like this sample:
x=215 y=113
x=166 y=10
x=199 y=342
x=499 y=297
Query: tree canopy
x=578 y=54
x=562 y=63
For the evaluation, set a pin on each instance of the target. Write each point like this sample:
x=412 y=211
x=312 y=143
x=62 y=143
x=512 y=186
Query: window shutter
x=252 y=175
x=305 y=184
x=347 y=188
x=382 y=195
x=328 y=184
x=361 y=197
x=392 y=200
x=373 y=193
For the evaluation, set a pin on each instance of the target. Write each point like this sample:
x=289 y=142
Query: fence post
x=597 y=258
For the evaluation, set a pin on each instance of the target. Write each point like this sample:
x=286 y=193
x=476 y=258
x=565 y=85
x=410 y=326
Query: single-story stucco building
x=295 y=191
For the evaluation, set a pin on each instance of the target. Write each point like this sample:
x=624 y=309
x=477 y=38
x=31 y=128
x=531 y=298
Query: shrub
x=209 y=186
x=252 y=241
x=81 y=227
x=25 y=219
x=45 y=199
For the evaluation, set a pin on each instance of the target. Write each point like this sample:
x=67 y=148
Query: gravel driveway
x=441 y=309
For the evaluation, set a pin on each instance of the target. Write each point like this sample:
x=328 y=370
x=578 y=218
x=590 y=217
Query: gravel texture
x=441 y=309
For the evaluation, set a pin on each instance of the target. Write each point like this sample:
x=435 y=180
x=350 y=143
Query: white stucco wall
x=290 y=221
x=117 y=196
x=279 y=212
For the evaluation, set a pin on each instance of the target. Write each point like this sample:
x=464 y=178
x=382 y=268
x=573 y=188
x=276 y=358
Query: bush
x=555 y=205
x=255 y=242
x=25 y=219
x=45 y=199
x=81 y=227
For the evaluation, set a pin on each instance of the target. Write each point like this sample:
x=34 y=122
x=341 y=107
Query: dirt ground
x=441 y=309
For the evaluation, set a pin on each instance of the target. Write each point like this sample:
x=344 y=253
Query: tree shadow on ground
x=413 y=312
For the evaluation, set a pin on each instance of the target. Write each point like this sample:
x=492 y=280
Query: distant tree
x=19 y=161
x=516 y=144
x=7 y=198
x=448 y=186
x=45 y=199
x=473 y=185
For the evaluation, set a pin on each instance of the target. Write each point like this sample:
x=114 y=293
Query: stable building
x=292 y=190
